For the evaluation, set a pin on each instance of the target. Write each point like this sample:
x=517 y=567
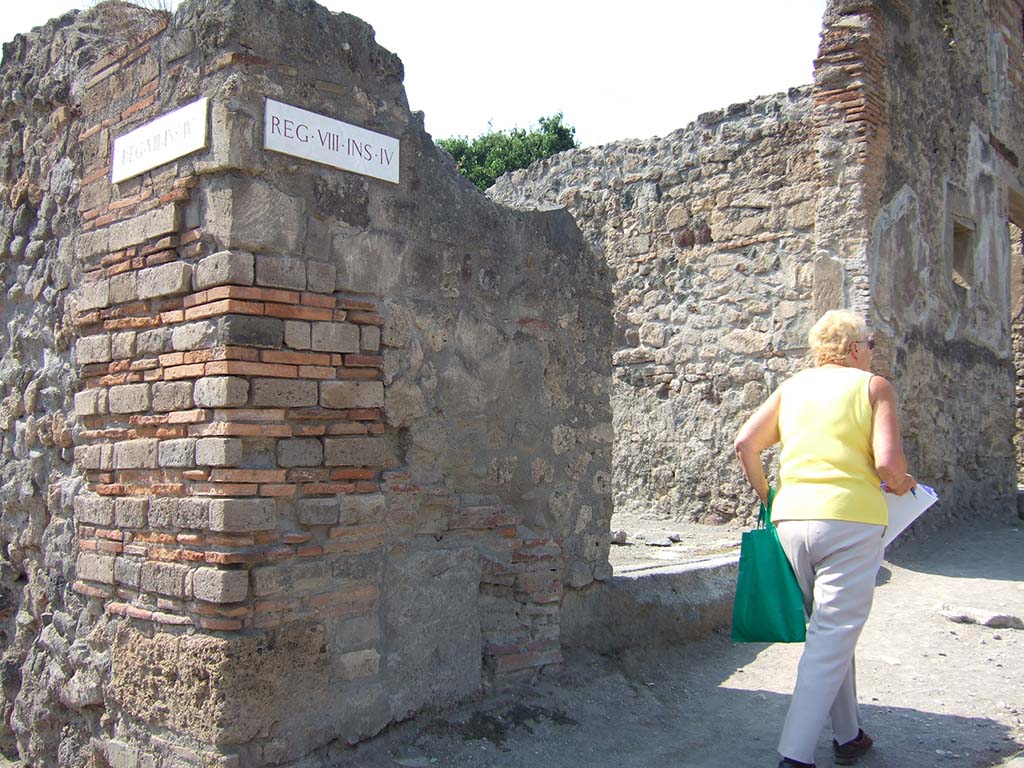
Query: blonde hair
x=830 y=338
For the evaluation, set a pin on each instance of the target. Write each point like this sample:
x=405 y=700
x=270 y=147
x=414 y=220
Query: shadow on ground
x=990 y=550
x=682 y=706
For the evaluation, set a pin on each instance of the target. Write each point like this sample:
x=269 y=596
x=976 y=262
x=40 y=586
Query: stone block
x=93 y=567
x=129 y=398
x=215 y=585
x=296 y=334
x=146 y=226
x=93 y=349
x=124 y=288
x=155 y=341
x=127 y=572
x=245 y=214
x=192 y=336
x=360 y=508
x=130 y=512
x=170 y=512
x=136 y=454
x=166 y=280
x=281 y=272
x=224 y=268
x=172 y=396
x=178 y=453
x=334 y=337
x=94 y=456
x=91 y=402
x=249 y=331
x=218 y=451
x=163 y=578
x=321 y=277
x=94 y=295
x=94 y=510
x=300 y=452
x=122 y=345
x=356 y=452
x=242 y=515
x=283 y=393
x=369 y=338
x=352 y=394
x=318 y=511
x=221 y=392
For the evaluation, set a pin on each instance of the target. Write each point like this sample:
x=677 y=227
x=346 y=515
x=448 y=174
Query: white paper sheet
x=905 y=509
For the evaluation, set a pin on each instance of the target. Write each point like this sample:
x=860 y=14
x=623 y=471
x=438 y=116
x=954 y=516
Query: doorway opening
x=1015 y=223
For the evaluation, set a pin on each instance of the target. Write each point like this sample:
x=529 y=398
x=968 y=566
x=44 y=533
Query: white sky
x=637 y=69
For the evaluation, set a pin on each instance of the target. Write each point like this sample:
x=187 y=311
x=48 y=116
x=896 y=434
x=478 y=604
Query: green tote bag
x=769 y=607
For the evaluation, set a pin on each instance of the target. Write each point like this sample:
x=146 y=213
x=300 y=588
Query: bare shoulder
x=879 y=389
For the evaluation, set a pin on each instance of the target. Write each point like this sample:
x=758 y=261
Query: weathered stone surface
x=242 y=515
x=356 y=452
x=224 y=268
x=129 y=398
x=442 y=635
x=136 y=454
x=281 y=272
x=95 y=510
x=164 y=578
x=702 y=257
x=218 y=451
x=172 y=396
x=334 y=337
x=165 y=280
x=93 y=349
x=221 y=392
x=177 y=453
x=283 y=393
x=352 y=394
x=215 y=585
x=318 y=511
x=179 y=513
x=300 y=452
x=297 y=334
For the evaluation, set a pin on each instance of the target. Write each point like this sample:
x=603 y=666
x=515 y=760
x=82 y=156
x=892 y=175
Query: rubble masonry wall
x=710 y=234
x=340 y=445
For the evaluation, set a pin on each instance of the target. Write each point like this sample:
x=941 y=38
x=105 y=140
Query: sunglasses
x=869 y=342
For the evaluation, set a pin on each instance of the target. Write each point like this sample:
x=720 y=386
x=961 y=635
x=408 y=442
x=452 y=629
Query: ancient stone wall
x=886 y=188
x=938 y=252
x=340 y=444
x=710 y=232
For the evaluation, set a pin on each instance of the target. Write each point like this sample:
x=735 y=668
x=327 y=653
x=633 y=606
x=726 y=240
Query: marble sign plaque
x=311 y=136
x=159 y=141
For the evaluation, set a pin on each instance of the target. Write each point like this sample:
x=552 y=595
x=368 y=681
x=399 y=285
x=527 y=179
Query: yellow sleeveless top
x=827 y=467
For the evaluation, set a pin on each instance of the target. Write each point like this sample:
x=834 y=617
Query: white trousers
x=835 y=564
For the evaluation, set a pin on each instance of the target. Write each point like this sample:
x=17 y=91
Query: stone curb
x=651 y=605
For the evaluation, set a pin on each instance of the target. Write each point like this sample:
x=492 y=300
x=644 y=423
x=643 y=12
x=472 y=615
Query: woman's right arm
x=890 y=461
x=759 y=432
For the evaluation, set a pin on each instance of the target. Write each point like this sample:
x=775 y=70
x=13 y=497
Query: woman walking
x=840 y=436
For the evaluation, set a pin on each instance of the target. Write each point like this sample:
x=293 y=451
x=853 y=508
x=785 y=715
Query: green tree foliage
x=483 y=159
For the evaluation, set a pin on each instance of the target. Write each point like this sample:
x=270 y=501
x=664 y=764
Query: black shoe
x=789 y=762
x=850 y=752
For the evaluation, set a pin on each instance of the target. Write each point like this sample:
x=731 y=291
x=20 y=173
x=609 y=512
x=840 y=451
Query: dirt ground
x=933 y=692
